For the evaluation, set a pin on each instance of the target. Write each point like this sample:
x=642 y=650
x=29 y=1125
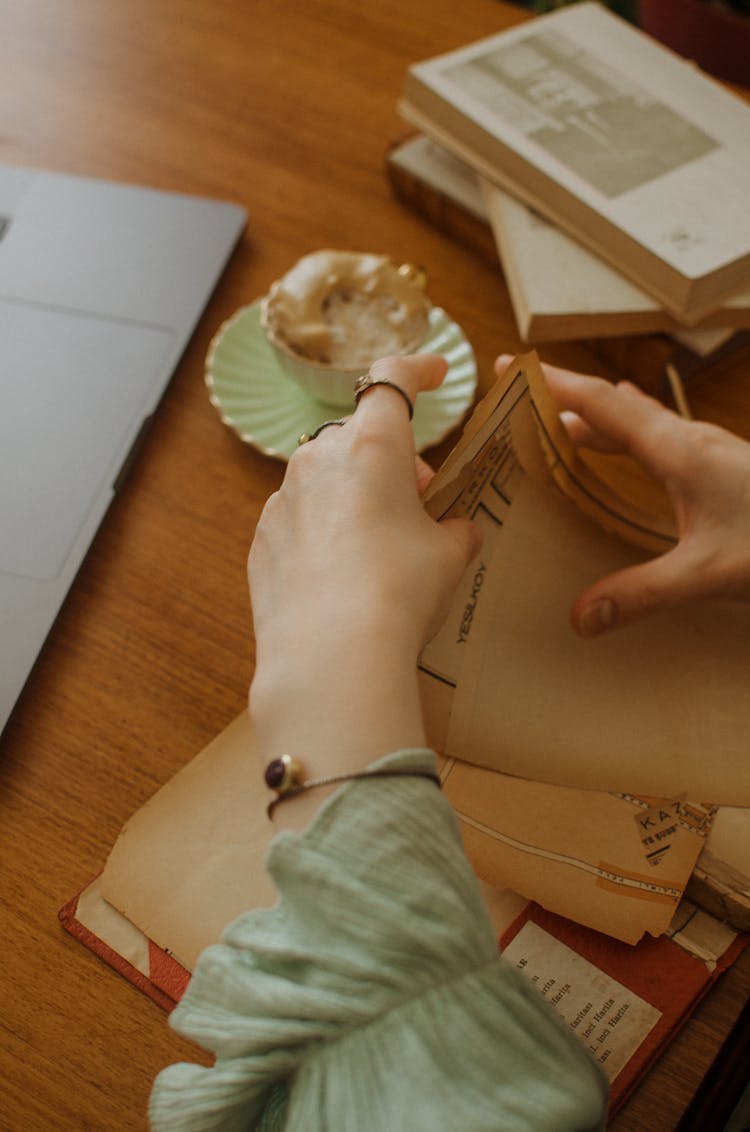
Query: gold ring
x=366 y=382
x=307 y=436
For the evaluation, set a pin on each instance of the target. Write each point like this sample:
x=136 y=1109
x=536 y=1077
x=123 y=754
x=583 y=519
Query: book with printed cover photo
x=606 y=133
x=559 y=289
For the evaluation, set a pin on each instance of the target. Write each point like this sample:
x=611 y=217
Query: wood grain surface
x=287 y=108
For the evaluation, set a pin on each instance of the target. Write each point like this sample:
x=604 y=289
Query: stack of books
x=613 y=175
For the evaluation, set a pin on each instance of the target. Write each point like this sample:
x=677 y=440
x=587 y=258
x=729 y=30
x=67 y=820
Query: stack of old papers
x=191 y=861
x=588 y=773
x=594 y=777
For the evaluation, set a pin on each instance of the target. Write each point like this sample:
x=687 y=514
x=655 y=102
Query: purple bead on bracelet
x=285 y=776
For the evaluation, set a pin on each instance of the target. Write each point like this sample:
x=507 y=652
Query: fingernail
x=597 y=617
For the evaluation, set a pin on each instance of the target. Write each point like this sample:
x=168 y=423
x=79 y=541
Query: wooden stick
x=678 y=392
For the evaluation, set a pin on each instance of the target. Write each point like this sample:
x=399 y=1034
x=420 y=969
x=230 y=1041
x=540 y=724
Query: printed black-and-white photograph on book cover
x=596 y=122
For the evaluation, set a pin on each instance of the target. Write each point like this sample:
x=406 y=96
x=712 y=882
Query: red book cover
x=624 y=1002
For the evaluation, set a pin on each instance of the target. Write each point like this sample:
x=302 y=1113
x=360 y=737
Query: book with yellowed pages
x=561 y=289
x=191 y=861
x=629 y=148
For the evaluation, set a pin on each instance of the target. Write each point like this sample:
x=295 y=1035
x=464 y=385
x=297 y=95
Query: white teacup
x=335 y=312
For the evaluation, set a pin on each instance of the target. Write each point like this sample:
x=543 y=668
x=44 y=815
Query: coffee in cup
x=335 y=312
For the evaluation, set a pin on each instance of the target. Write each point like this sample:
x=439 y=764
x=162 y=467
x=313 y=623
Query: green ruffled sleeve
x=372 y=996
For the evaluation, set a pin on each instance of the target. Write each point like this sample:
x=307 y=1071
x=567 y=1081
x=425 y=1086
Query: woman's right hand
x=706 y=472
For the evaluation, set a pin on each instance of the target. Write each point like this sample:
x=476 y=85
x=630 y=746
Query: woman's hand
x=349 y=577
x=706 y=472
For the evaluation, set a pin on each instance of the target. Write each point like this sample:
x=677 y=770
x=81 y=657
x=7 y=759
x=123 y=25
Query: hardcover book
x=608 y=134
x=559 y=289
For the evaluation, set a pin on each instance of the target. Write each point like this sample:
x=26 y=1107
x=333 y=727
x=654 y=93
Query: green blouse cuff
x=372 y=995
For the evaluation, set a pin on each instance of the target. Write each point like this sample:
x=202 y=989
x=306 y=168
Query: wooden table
x=287 y=108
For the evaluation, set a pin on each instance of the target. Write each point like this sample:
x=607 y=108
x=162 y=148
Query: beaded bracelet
x=285 y=776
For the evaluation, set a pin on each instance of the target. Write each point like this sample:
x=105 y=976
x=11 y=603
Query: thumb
x=635 y=593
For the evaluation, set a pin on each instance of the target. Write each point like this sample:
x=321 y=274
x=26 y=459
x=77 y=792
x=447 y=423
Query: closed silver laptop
x=100 y=288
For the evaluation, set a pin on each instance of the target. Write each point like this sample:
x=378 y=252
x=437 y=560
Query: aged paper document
x=612 y=1022
x=616 y=863
x=192 y=859
x=661 y=708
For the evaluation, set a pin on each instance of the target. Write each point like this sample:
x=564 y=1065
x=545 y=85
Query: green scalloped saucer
x=256 y=399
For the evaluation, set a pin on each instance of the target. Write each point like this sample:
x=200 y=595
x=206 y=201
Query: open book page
x=625 y=1003
x=659 y=708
